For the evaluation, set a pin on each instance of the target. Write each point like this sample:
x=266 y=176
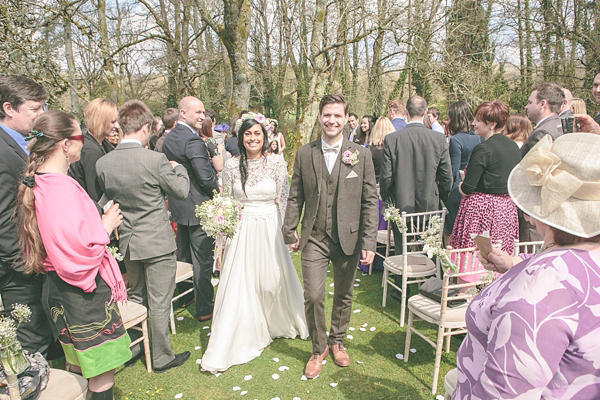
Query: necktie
x=327 y=148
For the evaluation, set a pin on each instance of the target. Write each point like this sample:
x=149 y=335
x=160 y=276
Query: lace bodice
x=267 y=181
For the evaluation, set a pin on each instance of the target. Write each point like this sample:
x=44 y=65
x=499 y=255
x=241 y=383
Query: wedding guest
x=518 y=128
x=275 y=134
x=486 y=205
x=169 y=120
x=101 y=120
x=533 y=333
x=396 y=112
x=157 y=130
x=382 y=128
x=138 y=179
x=273 y=150
x=215 y=150
x=63 y=237
x=111 y=141
x=578 y=106
x=259 y=297
x=434 y=115
x=21 y=101
x=364 y=135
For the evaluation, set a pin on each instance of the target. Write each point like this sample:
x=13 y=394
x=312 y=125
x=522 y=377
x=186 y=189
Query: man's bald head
x=191 y=112
x=568 y=100
x=416 y=107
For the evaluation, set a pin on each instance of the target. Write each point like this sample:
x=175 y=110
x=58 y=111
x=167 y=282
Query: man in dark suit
x=542 y=109
x=21 y=100
x=396 y=113
x=334 y=182
x=137 y=179
x=416 y=175
x=184 y=146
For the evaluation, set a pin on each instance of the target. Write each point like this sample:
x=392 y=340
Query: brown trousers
x=316 y=256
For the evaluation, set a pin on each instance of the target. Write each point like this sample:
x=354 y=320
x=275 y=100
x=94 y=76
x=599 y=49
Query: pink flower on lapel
x=350 y=158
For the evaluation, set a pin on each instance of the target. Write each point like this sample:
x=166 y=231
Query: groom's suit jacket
x=356 y=200
x=138 y=179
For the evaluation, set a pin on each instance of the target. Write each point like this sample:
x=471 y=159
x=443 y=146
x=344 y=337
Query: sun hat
x=559 y=183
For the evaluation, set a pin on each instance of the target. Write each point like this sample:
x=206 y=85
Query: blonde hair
x=382 y=127
x=578 y=106
x=99 y=113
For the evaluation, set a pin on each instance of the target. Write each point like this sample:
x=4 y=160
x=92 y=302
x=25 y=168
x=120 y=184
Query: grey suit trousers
x=315 y=261
x=152 y=282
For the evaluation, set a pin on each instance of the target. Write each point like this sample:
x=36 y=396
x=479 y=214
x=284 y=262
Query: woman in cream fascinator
x=534 y=331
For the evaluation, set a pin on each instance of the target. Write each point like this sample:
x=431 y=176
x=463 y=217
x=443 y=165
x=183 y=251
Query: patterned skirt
x=87 y=325
x=495 y=213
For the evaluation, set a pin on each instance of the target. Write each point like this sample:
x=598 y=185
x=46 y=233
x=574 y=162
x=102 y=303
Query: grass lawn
x=381 y=376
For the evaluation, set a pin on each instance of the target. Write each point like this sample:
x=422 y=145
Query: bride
x=259 y=296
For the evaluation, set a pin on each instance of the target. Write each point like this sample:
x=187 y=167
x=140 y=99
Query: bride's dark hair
x=247 y=124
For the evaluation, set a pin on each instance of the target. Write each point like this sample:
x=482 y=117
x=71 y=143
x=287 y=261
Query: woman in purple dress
x=533 y=333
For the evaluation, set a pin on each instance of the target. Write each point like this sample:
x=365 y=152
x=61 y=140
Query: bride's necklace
x=546 y=247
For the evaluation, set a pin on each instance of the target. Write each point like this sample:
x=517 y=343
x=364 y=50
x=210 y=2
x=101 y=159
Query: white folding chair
x=527 y=247
x=184 y=273
x=134 y=314
x=413 y=263
x=450 y=320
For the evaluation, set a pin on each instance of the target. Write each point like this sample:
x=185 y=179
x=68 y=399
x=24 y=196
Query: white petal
x=283 y=368
x=328 y=271
x=364 y=325
x=276 y=359
x=208 y=334
x=356 y=285
x=236 y=388
x=400 y=356
x=350 y=337
x=331 y=285
x=362 y=329
x=296 y=398
x=218 y=374
x=247 y=377
x=359 y=362
x=327 y=333
x=356 y=311
x=199 y=361
x=243 y=392
x=197 y=347
x=351 y=329
x=372 y=328
x=304 y=378
x=275 y=376
x=324 y=362
x=206 y=327
x=331 y=293
x=413 y=350
x=275 y=398
x=357 y=280
x=364 y=274
x=439 y=397
x=179 y=395
x=179 y=318
x=333 y=384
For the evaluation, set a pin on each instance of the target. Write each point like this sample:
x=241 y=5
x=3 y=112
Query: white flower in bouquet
x=114 y=251
x=220 y=216
x=392 y=214
x=433 y=244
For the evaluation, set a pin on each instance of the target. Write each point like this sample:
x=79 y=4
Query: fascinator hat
x=559 y=183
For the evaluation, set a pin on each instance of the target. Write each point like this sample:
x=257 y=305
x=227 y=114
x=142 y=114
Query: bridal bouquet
x=220 y=216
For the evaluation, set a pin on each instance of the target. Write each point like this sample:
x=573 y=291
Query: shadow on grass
x=355 y=385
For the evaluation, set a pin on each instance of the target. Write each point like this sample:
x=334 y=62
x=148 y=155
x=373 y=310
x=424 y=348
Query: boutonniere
x=350 y=158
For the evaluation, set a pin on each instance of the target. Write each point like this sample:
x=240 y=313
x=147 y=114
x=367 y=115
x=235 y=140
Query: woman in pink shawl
x=64 y=237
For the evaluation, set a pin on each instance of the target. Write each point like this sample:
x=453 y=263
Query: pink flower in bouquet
x=219 y=219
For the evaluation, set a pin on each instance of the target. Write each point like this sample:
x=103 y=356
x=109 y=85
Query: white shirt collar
x=191 y=129
x=131 y=141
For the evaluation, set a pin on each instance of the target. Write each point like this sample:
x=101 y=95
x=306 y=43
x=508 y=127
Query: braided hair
x=48 y=130
x=247 y=124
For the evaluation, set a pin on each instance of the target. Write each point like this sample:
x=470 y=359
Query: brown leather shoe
x=314 y=365
x=340 y=357
x=205 y=317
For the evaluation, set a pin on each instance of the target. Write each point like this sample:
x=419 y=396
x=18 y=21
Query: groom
x=334 y=180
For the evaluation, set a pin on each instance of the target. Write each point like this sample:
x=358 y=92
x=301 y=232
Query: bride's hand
x=295 y=246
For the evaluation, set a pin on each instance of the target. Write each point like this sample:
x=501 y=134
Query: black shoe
x=133 y=360
x=396 y=295
x=179 y=360
x=106 y=395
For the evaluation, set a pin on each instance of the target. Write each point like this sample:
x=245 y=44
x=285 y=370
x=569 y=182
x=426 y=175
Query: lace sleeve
x=283 y=186
x=228 y=171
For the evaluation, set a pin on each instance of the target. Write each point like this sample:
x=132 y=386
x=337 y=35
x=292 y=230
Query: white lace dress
x=259 y=296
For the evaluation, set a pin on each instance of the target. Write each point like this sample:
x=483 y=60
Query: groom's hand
x=295 y=246
x=367 y=257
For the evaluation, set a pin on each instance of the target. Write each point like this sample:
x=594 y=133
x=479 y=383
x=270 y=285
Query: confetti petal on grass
x=197 y=347
x=356 y=311
x=199 y=361
x=439 y=397
x=284 y=368
x=413 y=350
x=350 y=337
x=372 y=328
x=296 y=398
x=236 y=388
x=364 y=274
x=243 y=392
x=364 y=325
x=179 y=395
x=333 y=384
x=331 y=285
x=357 y=280
x=206 y=327
x=356 y=285
x=359 y=362
x=218 y=374
x=362 y=329
x=247 y=377
x=275 y=376
x=400 y=356
x=327 y=333
x=324 y=362
x=304 y=378
x=331 y=293
x=351 y=329
x=179 y=318
x=275 y=398
x=208 y=334
x=276 y=359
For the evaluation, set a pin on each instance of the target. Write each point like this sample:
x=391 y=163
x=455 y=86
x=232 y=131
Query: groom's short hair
x=333 y=99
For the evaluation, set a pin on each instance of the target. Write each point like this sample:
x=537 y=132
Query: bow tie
x=327 y=148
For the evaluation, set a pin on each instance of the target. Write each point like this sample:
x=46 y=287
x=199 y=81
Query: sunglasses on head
x=81 y=138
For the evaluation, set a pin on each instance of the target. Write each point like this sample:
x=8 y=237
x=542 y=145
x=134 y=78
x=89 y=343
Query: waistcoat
x=326 y=220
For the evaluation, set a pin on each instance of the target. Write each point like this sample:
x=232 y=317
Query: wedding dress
x=259 y=297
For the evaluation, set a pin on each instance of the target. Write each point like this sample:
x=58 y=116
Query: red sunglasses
x=81 y=138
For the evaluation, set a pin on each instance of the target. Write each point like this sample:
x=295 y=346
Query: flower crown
x=249 y=115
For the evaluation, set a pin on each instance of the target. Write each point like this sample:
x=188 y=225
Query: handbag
x=432 y=289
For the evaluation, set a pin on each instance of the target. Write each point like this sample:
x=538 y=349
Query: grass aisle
x=382 y=376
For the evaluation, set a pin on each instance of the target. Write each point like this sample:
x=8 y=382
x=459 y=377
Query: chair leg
x=438 y=358
x=448 y=338
x=403 y=305
x=370 y=268
x=147 y=345
x=172 y=321
x=408 y=335
x=384 y=283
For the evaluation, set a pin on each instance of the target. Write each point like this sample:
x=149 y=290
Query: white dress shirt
x=331 y=154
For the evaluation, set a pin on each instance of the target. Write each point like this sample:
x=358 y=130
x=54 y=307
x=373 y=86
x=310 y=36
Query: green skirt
x=87 y=325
